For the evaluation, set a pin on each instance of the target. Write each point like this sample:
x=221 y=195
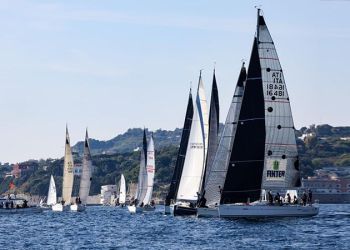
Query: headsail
x=213 y=137
x=193 y=168
x=122 y=190
x=216 y=177
x=150 y=171
x=68 y=174
x=52 y=195
x=281 y=155
x=85 y=181
x=181 y=153
x=142 y=180
x=243 y=179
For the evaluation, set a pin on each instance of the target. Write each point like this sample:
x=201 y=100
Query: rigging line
x=252 y=119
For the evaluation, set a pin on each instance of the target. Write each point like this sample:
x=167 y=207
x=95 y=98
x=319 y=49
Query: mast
x=193 y=169
x=150 y=171
x=216 y=176
x=68 y=175
x=181 y=153
x=85 y=181
x=213 y=137
x=281 y=167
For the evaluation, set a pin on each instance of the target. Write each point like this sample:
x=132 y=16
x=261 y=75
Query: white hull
x=28 y=210
x=59 y=208
x=208 y=212
x=264 y=211
x=77 y=208
x=137 y=210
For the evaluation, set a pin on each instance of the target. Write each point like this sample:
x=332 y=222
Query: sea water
x=115 y=228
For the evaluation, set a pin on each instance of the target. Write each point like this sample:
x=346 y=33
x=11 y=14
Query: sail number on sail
x=276 y=87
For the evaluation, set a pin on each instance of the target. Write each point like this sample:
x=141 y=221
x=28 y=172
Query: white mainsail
x=68 y=175
x=281 y=168
x=52 y=194
x=217 y=175
x=150 y=171
x=194 y=165
x=122 y=190
x=85 y=181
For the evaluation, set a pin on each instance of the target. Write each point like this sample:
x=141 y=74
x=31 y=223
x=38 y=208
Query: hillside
x=319 y=146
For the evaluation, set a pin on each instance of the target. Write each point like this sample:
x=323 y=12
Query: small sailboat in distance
x=68 y=176
x=52 y=194
x=122 y=191
x=143 y=199
x=85 y=181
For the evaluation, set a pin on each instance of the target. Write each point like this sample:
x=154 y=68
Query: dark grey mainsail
x=181 y=153
x=217 y=174
x=213 y=137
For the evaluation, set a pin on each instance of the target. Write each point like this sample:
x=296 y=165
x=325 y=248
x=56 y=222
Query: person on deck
x=270 y=197
x=310 y=196
x=295 y=201
x=289 y=199
x=277 y=198
x=304 y=199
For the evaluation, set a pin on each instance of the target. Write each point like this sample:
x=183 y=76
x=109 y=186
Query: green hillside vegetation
x=323 y=146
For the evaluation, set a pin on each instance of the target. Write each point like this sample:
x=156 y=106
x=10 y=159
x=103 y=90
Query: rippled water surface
x=108 y=227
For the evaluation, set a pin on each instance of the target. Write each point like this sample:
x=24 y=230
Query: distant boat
x=143 y=201
x=181 y=155
x=85 y=180
x=13 y=205
x=264 y=152
x=52 y=194
x=121 y=197
x=194 y=164
x=68 y=176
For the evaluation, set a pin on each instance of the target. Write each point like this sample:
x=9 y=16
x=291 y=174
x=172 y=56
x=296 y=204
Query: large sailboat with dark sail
x=175 y=180
x=264 y=151
x=194 y=162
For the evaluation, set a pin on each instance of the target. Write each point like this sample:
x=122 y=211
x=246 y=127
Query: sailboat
x=68 y=176
x=264 y=152
x=51 y=195
x=85 y=181
x=143 y=201
x=170 y=198
x=215 y=180
x=194 y=164
x=121 y=198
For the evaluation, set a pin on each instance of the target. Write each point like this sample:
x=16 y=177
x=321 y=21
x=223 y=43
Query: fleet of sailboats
x=227 y=174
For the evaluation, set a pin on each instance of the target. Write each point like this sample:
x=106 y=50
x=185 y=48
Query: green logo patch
x=276 y=165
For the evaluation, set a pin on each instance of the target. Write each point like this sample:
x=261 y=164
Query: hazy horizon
x=120 y=65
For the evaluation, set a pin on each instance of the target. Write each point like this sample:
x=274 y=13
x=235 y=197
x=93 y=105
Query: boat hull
x=184 y=211
x=137 y=210
x=28 y=210
x=77 y=208
x=59 y=208
x=266 y=211
x=208 y=212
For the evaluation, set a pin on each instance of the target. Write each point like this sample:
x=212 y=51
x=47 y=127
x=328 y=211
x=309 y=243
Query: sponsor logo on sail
x=275 y=170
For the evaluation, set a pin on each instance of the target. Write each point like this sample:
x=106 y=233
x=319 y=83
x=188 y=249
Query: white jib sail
x=150 y=171
x=281 y=167
x=68 y=175
x=85 y=181
x=122 y=190
x=52 y=194
x=192 y=173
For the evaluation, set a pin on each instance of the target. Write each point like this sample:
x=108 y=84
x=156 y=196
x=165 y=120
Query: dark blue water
x=107 y=227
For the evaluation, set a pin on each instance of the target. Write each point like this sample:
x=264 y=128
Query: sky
x=114 y=65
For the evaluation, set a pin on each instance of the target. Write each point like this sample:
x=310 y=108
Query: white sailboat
x=194 y=165
x=68 y=176
x=122 y=191
x=52 y=194
x=85 y=181
x=143 y=201
x=264 y=152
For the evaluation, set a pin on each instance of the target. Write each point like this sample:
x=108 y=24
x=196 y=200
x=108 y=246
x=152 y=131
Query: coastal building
x=107 y=193
x=330 y=185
